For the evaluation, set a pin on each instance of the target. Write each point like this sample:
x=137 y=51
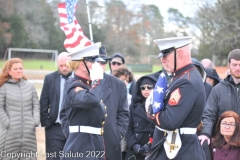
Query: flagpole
x=89 y=22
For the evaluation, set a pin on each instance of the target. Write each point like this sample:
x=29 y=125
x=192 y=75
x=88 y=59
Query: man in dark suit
x=115 y=98
x=50 y=103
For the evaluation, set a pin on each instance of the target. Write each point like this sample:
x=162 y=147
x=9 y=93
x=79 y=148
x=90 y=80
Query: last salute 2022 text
x=87 y=154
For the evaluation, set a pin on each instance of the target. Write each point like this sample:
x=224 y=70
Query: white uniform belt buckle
x=85 y=129
x=173 y=143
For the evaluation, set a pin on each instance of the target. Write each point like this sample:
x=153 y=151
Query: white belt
x=85 y=129
x=184 y=130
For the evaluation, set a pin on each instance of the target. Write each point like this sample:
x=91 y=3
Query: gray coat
x=19 y=110
x=224 y=96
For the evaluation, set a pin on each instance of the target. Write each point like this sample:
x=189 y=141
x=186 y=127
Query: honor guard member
x=183 y=104
x=84 y=112
x=115 y=100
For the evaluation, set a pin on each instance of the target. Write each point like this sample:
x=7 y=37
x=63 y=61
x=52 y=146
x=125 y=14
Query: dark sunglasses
x=114 y=63
x=146 y=86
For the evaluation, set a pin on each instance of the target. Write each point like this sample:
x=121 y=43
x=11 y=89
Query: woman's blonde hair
x=73 y=65
x=4 y=76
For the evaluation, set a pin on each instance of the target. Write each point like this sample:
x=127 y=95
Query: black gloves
x=137 y=149
x=141 y=150
x=146 y=148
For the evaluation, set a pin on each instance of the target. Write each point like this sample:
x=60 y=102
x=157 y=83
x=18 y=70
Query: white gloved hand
x=149 y=101
x=96 y=72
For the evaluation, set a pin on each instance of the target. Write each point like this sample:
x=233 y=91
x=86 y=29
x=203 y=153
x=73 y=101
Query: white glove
x=149 y=101
x=96 y=72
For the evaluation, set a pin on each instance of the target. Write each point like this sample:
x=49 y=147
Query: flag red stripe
x=76 y=43
x=74 y=34
x=63 y=15
x=88 y=43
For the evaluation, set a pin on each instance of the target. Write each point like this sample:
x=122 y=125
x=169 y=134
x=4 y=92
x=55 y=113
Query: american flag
x=75 y=39
x=158 y=94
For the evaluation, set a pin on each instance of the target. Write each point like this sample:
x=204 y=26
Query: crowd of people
x=90 y=113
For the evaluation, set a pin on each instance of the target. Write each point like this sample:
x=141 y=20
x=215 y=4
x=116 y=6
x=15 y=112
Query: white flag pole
x=89 y=22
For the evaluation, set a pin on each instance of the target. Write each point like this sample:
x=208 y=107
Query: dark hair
x=123 y=71
x=234 y=54
x=218 y=139
x=212 y=73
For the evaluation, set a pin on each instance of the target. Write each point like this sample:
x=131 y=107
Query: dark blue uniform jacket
x=184 y=104
x=83 y=107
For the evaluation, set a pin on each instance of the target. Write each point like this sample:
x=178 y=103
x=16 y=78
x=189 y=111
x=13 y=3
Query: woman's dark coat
x=140 y=127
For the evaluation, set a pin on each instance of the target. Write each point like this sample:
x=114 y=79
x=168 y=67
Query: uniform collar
x=83 y=80
x=180 y=71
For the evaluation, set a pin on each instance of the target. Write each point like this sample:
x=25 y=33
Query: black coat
x=49 y=100
x=183 y=108
x=140 y=127
x=132 y=88
x=208 y=89
x=115 y=99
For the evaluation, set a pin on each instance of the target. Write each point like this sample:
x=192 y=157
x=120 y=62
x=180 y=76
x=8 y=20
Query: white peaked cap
x=88 y=51
x=167 y=45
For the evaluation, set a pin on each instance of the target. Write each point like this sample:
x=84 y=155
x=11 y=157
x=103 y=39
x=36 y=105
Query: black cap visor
x=165 y=52
x=94 y=59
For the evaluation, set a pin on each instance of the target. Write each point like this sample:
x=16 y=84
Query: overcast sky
x=186 y=7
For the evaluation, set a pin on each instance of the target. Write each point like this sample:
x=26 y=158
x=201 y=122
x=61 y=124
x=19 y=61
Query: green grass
x=40 y=64
x=50 y=65
x=37 y=64
x=156 y=68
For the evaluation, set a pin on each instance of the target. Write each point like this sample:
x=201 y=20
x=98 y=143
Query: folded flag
x=158 y=94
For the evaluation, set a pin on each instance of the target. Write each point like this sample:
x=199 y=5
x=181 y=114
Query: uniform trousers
x=55 y=141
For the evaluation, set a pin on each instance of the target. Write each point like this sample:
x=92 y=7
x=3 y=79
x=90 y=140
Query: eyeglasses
x=146 y=86
x=230 y=125
x=116 y=63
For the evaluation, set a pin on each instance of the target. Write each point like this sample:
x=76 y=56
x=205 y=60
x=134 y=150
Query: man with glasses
x=224 y=96
x=117 y=60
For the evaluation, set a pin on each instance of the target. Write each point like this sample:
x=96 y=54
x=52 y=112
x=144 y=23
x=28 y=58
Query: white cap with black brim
x=168 y=45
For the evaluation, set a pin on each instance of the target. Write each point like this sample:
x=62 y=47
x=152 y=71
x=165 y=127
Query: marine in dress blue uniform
x=183 y=104
x=83 y=112
x=86 y=114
